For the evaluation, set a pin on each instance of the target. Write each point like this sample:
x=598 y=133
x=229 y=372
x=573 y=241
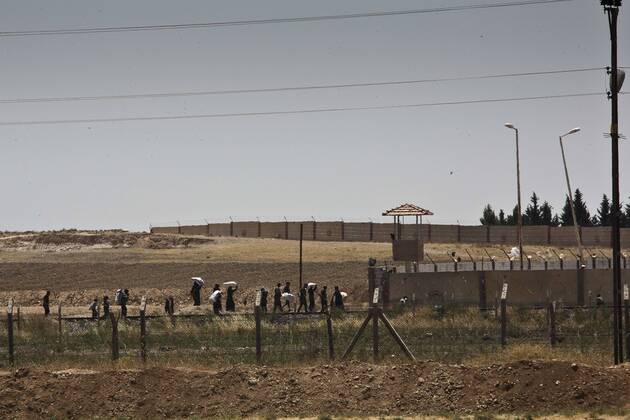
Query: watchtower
x=407 y=245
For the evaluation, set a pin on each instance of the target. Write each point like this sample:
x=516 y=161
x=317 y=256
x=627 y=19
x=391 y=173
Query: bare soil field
x=341 y=389
x=78 y=266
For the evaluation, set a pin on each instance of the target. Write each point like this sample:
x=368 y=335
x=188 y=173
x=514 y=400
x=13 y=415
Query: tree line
x=537 y=214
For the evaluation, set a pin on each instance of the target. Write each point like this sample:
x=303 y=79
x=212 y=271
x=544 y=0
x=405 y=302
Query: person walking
x=105 y=307
x=215 y=297
x=46 y=303
x=196 y=290
x=323 y=299
x=337 y=299
x=230 y=306
x=311 y=298
x=302 y=299
x=277 y=298
x=94 y=308
x=264 y=294
x=287 y=300
x=124 y=298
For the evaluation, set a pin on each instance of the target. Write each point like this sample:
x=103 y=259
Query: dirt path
x=340 y=389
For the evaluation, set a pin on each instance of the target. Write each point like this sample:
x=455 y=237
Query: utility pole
x=611 y=8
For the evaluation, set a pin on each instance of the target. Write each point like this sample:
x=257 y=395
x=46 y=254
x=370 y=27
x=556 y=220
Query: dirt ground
x=342 y=389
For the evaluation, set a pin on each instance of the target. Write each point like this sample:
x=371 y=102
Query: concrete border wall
x=525 y=287
x=381 y=232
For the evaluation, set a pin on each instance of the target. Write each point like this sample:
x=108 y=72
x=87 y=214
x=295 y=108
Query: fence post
x=548 y=235
x=143 y=329
x=504 y=315
x=375 y=337
x=18 y=319
x=314 y=230
x=259 y=229
x=114 y=320
x=482 y=291
x=552 y=323
x=329 y=331
x=626 y=311
x=10 y=331
x=59 y=319
x=459 y=233
x=372 y=234
x=286 y=229
x=343 y=231
x=258 y=327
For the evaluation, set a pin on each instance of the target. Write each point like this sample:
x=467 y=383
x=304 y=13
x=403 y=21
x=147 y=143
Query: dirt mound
x=352 y=389
x=75 y=240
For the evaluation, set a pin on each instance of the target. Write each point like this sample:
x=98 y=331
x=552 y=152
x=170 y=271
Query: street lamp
x=569 y=191
x=518 y=190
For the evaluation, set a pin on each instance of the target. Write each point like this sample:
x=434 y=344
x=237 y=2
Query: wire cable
x=298 y=111
x=290 y=88
x=275 y=20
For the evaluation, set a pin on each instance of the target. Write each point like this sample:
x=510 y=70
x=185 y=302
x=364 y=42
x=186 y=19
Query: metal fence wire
x=443 y=333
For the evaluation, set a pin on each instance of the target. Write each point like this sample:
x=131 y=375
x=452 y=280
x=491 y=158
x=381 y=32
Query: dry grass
x=245 y=250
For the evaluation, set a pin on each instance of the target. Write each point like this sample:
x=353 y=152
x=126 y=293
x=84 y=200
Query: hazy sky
x=326 y=165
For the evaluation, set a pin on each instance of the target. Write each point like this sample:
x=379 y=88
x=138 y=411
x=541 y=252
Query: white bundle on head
x=344 y=294
x=198 y=280
x=288 y=296
x=311 y=285
x=230 y=283
x=215 y=295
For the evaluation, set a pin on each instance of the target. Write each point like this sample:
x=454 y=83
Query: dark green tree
x=546 y=217
x=502 y=220
x=581 y=211
x=603 y=213
x=489 y=217
x=533 y=214
x=512 y=219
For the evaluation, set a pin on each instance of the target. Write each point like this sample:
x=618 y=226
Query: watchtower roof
x=408 y=210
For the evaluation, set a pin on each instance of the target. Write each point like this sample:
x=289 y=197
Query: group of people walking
x=121 y=298
x=283 y=298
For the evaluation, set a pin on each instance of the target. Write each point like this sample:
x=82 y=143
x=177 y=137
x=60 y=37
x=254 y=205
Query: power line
x=300 y=111
x=289 y=88
x=275 y=20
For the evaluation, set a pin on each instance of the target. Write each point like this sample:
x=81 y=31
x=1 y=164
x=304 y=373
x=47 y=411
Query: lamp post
x=611 y=8
x=518 y=190
x=569 y=191
x=576 y=226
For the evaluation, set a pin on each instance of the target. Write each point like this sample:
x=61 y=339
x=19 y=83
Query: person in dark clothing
x=302 y=299
x=230 y=306
x=196 y=293
x=287 y=300
x=46 y=303
x=216 y=300
x=323 y=299
x=124 y=298
x=311 y=298
x=105 y=307
x=277 y=298
x=337 y=299
x=167 y=306
x=264 y=294
x=94 y=309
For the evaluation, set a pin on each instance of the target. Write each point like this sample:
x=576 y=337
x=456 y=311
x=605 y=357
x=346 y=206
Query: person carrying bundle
x=124 y=298
x=302 y=298
x=312 y=287
x=337 y=299
x=286 y=292
x=215 y=298
x=232 y=287
x=196 y=290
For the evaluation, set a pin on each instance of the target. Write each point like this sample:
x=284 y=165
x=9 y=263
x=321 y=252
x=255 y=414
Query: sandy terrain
x=348 y=389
